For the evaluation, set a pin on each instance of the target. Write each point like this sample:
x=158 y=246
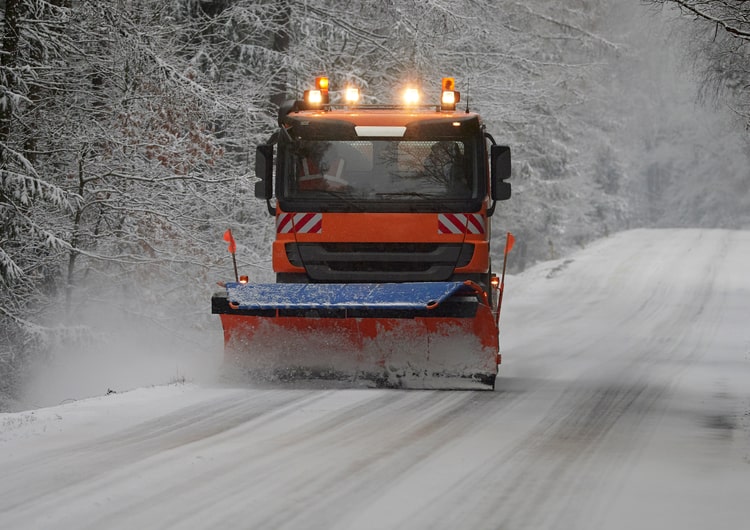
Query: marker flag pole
x=509 y=241
x=232 y=250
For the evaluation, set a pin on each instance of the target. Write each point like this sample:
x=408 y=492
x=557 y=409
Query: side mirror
x=502 y=191
x=500 y=172
x=264 y=171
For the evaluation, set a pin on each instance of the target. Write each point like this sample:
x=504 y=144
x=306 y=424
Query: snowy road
x=623 y=402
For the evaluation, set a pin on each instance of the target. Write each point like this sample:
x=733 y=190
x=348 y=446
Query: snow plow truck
x=382 y=248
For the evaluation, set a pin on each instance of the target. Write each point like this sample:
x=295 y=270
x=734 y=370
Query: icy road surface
x=623 y=402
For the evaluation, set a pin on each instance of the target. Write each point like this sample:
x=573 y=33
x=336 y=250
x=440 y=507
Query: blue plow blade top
x=342 y=296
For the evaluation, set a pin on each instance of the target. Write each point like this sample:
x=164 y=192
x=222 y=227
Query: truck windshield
x=365 y=170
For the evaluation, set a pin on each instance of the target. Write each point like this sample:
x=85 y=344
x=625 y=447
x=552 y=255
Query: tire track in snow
x=526 y=483
x=534 y=478
x=374 y=442
x=87 y=465
x=650 y=295
x=439 y=422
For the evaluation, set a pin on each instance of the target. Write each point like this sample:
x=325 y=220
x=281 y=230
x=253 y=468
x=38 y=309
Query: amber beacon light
x=318 y=96
x=449 y=96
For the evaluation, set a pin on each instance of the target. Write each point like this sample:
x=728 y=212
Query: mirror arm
x=491 y=209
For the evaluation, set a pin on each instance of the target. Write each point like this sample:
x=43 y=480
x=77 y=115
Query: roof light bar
x=318 y=97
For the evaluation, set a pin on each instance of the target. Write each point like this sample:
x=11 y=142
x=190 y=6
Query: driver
x=321 y=176
x=321 y=171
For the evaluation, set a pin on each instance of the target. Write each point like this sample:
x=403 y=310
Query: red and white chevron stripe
x=299 y=223
x=460 y=223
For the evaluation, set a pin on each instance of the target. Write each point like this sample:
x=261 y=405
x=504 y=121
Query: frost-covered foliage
x=716 y=39
x=688 y=161
x=121 y=163
x=127 y=130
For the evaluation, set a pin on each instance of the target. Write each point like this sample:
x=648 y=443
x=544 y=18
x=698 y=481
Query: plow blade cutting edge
x=402 y=335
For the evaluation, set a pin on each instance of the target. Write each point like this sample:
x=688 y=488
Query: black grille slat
x=380 y=262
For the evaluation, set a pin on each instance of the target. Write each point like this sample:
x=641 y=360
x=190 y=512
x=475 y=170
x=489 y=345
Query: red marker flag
x=509 y=243
x=229 y=239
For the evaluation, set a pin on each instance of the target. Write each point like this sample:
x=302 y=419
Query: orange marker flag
x=232 y=249
x=509 y=243
x=229 y=239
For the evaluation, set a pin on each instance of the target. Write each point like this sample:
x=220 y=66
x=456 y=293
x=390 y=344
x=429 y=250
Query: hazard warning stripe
x=299 y=223
x=474 y=224
x=284 y=223
x=450 y=224
x=308 y=223
x=460 y=223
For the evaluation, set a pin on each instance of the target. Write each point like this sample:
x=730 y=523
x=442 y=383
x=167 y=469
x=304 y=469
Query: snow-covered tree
x=718 y=44
x=116 y=166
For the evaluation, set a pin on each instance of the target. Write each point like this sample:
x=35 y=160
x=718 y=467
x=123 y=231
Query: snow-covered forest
x=128 y=128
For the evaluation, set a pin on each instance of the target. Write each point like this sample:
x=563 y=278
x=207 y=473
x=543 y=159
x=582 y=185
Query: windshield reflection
x=381 y=170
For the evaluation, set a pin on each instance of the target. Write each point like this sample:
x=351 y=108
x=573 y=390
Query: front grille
x=379 y=262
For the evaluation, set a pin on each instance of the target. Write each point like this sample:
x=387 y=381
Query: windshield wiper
x=435 y=201
x=408 y=194
x=343 y=196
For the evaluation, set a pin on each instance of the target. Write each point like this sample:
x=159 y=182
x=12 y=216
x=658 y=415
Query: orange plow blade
x=430 y=335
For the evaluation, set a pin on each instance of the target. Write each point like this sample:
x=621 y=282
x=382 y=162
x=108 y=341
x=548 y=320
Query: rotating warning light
x=449 y=97
x=316 y=98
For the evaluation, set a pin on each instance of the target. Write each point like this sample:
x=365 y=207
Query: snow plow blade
x=402 y=335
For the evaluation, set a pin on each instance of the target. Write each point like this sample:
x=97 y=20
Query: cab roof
x=354 y=123
x=384 y=116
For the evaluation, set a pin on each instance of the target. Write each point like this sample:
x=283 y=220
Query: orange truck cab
x=382 y=193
